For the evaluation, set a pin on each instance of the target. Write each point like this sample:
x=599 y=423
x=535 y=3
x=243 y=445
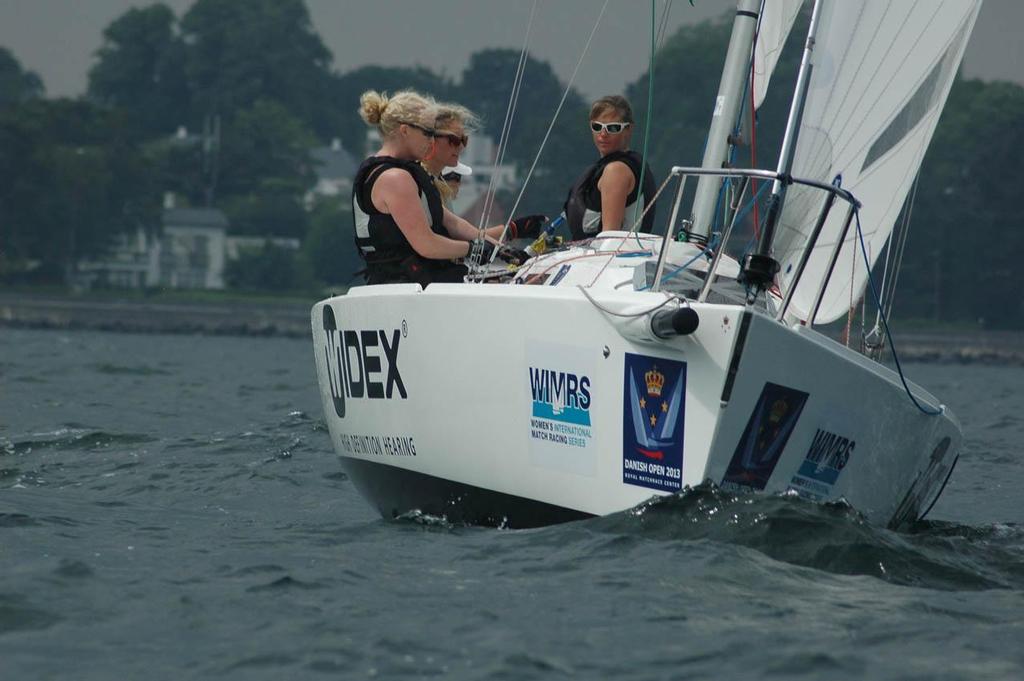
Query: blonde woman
x=403 y=231
x=452 y=127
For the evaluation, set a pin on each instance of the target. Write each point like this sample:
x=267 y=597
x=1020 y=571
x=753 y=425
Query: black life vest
x=583 y=204
x=389 y=256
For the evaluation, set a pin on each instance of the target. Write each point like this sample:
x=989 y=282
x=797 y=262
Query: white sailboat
x=634 y=365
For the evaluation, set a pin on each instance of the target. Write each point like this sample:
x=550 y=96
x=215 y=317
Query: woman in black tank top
x=403 y=231
x=606 y=195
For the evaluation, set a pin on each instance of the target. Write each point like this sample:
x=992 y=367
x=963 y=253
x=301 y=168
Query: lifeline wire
x=930 y=411
x=598 y=305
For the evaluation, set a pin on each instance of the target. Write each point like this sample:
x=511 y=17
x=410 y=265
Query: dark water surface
x=170 y=508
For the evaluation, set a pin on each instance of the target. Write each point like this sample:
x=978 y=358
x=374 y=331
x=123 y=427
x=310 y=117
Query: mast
x=760 y=268
x=727 y=108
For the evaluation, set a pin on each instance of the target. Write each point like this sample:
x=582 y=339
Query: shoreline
x=290 y=319
x=228 y=317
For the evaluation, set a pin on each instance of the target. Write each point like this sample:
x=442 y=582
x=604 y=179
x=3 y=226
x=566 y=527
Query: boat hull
x=528 y=405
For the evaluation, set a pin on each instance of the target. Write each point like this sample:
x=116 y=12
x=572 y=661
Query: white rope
x=506 y=127
x=554 y=119
x=669 y=297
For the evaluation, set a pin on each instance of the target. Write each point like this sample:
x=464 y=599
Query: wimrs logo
x=827 y=457
x=355 y=360
x=560 y=396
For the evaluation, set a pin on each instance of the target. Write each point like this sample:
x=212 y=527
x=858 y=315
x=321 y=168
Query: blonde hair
x=387 y=113
x=443 y=188
x=446 y=113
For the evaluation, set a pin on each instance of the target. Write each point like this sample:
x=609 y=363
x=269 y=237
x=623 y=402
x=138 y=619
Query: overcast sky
x=58 y=38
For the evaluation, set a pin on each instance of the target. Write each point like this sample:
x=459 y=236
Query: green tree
x=243 y=51
x=265 y=149
x=70 y=182
x=270 y=268
x=140 y=69
x=267 y=214
x=330 y=245
x=487 y=83
x=963 y=246
x=16 y=84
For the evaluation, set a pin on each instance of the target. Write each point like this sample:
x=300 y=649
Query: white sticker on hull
x=560 y=394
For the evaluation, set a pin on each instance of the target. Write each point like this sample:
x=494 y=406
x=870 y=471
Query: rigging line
x=639 y=201
x=898 y=231
x=753 y=120
x=706 y=251
x=892 y=201
x=898 y=264
x=499 y=158
x=669 y=297
x=554 y=118
x=930 y=411
x=506 y=126
x=633 y=231
x=663 y=27
x=506 y=129
x=894 y=235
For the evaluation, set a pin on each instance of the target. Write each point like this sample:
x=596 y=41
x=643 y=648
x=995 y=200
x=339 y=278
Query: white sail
x=777 y=18
x=882 y=72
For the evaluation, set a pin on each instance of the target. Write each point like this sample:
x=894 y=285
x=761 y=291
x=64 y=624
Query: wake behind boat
x=634 y=364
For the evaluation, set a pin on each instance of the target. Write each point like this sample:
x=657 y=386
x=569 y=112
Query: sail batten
x=882 y=72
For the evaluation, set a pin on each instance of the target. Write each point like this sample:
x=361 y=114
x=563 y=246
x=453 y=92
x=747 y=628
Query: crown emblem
x=778 y=410
x=655 y=382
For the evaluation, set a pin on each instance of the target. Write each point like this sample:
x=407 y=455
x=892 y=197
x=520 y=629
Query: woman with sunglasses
x=451 y=126
x=450 y=139
x=605 y=195
x=402 y=228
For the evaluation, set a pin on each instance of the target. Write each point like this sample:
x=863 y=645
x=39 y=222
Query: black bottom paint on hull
x=394 y=491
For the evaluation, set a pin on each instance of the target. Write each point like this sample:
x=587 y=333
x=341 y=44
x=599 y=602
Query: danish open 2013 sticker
x=653 y=416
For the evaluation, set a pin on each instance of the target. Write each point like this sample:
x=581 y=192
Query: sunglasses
x=426 y=131
x=610 y=128
x=453 y=139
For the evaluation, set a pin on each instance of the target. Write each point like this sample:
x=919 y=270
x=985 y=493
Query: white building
x=191 y=250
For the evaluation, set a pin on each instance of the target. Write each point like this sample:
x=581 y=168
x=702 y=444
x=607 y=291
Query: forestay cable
x=506 y=126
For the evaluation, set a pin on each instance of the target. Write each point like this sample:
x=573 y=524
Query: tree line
x=257 y=89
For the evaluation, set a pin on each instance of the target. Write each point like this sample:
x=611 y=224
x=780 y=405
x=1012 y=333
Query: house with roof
x=189 y=250
x=335 y=167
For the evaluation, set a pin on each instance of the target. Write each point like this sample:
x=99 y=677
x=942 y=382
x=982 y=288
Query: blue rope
x=930 y=411
x=705 y=251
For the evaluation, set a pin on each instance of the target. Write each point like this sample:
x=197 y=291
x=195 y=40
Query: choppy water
x=170 y=508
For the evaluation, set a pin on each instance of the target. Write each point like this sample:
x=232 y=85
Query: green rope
x=639 y=205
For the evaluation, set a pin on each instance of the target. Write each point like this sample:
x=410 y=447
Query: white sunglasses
x=610 y=128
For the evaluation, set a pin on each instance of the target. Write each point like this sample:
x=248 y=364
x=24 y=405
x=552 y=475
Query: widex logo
x=361 y=363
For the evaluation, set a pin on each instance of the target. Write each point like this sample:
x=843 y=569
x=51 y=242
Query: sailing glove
x=526 y=226
x=512 y=255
